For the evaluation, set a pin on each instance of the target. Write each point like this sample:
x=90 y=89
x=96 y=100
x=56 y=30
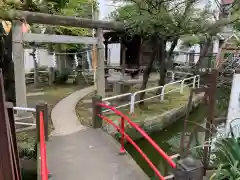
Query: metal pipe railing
x=142 y=132
x=27 y=124
x=24 y=109
x=121 y=130
x=43 y=154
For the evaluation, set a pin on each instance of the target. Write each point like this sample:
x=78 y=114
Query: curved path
x=64 y=118
x=76 y=152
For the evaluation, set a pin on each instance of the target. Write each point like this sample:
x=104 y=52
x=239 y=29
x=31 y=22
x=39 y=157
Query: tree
x=7 y=64
x=48 y=6
x=205 y=40
x=160 y=22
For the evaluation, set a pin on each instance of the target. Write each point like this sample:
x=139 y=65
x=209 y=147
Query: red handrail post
x=42 y=107
x=143 y=133
x=43 y=154
x=122 y=149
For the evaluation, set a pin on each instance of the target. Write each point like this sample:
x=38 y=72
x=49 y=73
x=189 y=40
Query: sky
x=107 y=6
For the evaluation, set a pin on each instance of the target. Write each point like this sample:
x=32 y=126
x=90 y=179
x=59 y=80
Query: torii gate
x=20 y=36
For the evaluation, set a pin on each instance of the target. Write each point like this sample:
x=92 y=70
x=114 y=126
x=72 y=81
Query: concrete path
x=64 y=118
x=90 y=154
x=75 y=152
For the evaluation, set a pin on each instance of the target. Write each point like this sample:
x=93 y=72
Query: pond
x=165 y=139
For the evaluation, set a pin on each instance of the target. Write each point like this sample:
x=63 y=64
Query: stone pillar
x=100 y=70
x=19 y=68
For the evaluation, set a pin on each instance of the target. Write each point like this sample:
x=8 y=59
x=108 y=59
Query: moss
x=154 y=106
x=27 y=146
x=150 y=108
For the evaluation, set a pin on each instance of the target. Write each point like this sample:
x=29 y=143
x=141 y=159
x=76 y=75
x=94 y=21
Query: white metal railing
x=182 y=83
x=133 y=97
x=38 y=71
x=27 y=124
x=117 y=97
x=24 y=109
x=197 y=77
x=166 y=85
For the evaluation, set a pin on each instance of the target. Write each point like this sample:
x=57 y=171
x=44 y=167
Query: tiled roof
x=227 y=2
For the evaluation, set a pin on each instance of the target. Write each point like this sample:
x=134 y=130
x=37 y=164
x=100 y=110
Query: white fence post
x=162 y=92
x=133 y=100
x=173 y=75
x=194 y=81
x=132 y=103
x=182 y=84
x=198 y=81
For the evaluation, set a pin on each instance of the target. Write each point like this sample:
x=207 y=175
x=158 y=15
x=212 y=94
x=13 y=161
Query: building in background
x=114 y=49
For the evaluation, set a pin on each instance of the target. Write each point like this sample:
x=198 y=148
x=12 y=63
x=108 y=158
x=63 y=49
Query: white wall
x=114 y=54
x=234 y=104
x=108 y=6
x=44 y=58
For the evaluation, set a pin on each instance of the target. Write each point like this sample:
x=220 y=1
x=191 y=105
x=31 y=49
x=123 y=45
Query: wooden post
x=19 y=68
x=100 y=71
x=13 y=138
x=8 y=160
x=182 y=142
x=210 y=117
x=42 y=106
x=96 y=121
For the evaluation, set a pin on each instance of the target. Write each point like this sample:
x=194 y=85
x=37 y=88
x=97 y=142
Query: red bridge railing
x=43 y=152
x=124 y=136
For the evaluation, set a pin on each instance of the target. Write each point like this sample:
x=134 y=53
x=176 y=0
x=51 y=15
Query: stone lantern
x=189 y=168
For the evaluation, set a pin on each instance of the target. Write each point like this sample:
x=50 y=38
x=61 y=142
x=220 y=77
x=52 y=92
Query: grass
x=150 y=108
x=154 y=106
x=52 y=95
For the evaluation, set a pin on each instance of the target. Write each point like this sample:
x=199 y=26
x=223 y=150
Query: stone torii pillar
x=19 y=67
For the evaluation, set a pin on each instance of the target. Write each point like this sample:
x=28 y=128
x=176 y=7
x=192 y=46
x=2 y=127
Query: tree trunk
x=170 y=52
x=146 y=74
x=7 y=66
x=203 y=51
x=161 y=55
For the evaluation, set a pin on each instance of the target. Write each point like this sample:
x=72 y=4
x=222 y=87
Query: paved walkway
x=76 y=152
x=90 y=155
x=63 y=115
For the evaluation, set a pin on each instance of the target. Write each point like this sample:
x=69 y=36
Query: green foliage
x=76 y=8
x=227 y=158
x=223 y=96
x=163 y=18
x=27 y=146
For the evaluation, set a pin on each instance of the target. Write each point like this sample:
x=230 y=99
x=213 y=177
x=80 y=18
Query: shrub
x=227 y=159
